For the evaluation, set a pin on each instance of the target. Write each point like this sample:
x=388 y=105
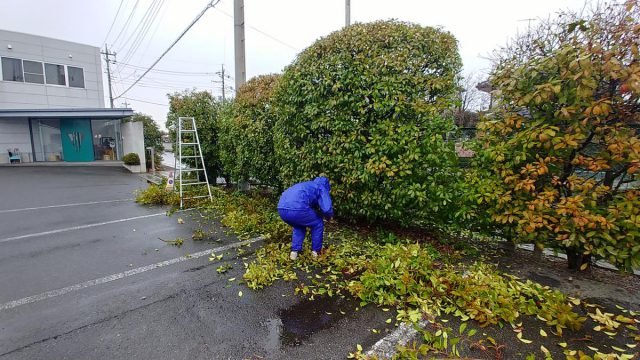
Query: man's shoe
x=314 y=254
x=293 y=255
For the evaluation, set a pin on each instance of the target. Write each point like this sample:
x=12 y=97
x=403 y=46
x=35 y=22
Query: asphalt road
x=83 y=275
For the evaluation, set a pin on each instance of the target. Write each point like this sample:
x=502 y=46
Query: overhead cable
x=209 y=5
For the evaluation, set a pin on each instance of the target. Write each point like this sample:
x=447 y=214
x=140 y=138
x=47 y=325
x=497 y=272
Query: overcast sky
x=276 y=30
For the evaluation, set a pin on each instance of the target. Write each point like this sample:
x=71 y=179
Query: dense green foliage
x=559 y=158
x=131 y=159
x=246 y=133
x=364 y=106
x=206 y=110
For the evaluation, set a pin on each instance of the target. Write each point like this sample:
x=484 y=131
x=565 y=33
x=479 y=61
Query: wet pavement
x=119 y=304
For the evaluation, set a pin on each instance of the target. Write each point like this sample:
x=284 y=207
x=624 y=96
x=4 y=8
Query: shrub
x=364 y=106
x=131 y=159
x=246 y=133
x=562 y=140
x=157 y=195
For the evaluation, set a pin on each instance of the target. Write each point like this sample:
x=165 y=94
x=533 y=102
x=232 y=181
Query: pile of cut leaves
x=470 y=308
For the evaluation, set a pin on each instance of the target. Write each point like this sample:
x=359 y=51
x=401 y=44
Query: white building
x=52 y=103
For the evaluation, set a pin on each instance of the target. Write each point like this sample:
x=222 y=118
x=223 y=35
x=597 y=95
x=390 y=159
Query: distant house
x=52 y=103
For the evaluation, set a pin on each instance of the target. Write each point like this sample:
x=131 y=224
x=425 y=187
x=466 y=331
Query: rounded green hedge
x=246 y=133
x=131 y=159
x=365 y=106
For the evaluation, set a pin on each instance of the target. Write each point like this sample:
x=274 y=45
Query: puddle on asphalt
x=299 y=322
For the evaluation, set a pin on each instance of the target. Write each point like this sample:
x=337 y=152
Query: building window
x=33 y=72
x=12 y=69
x=76 y=77
x=55 y=74
x=107 y=144
x=47 y=140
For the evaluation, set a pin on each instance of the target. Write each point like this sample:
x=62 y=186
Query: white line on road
x=106 y=279
x=79 y=227
x=63 y=205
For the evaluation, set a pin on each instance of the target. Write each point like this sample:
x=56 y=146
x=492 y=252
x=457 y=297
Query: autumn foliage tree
x=560 y=153
x=364 y=106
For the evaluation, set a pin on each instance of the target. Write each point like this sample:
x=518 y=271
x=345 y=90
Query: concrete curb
x=404 y=334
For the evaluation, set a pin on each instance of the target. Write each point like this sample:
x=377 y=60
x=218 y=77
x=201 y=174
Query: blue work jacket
x=308 y=195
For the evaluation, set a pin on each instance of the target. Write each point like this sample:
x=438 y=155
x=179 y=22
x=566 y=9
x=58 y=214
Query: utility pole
x=238 y=35
x=224 y=98
x=223 y=77
x=107 y=57
x=347 y=12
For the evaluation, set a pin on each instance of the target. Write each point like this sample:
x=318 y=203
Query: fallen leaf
x=388 y=321
x=232 y=279
x=519 y=336
x=543 y=333
x=562 y=344
x=240 y=293
x=180 y=221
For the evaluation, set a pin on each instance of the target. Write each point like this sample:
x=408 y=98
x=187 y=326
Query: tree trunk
x=576 y=259
x=537 y=251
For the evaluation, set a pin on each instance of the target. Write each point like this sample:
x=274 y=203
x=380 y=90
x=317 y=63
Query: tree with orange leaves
x=558 y=158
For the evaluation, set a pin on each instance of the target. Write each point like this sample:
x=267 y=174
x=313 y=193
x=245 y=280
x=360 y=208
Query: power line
x=209 y=5
x=147 y=102
x=114 y=21
x=167 y=72
x=127 y=22
x=146 y=23
x=263 y=33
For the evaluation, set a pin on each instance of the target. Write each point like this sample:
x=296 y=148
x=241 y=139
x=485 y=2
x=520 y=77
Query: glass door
x=76 y=140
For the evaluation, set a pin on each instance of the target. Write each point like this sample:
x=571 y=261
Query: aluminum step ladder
x=188 y=147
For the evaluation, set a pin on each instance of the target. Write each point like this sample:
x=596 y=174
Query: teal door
x=77 y=144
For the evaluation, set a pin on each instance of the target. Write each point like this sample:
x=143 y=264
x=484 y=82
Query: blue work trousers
x=300 y=220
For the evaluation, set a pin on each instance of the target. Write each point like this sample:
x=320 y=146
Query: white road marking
x=63 y=205
x=124 y=274
x=79 y=227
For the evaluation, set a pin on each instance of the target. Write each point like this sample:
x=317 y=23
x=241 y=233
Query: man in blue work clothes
x=304 y=205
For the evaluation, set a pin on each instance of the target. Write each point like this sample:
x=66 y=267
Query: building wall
x=133 y=141
x=14 y=133
x=19 y=95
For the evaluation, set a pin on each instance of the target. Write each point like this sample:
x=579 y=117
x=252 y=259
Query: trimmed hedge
x=246 y=133
x=364 y=106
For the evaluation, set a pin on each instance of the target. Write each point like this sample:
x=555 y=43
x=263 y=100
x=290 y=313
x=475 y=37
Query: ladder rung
x=188 y=170
x=190 y=157
x=188 y=130
x=196 y=197
x=188 y=143
x=194 y=183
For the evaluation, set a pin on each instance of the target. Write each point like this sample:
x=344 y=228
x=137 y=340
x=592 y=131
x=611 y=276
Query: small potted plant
x=132 y=162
